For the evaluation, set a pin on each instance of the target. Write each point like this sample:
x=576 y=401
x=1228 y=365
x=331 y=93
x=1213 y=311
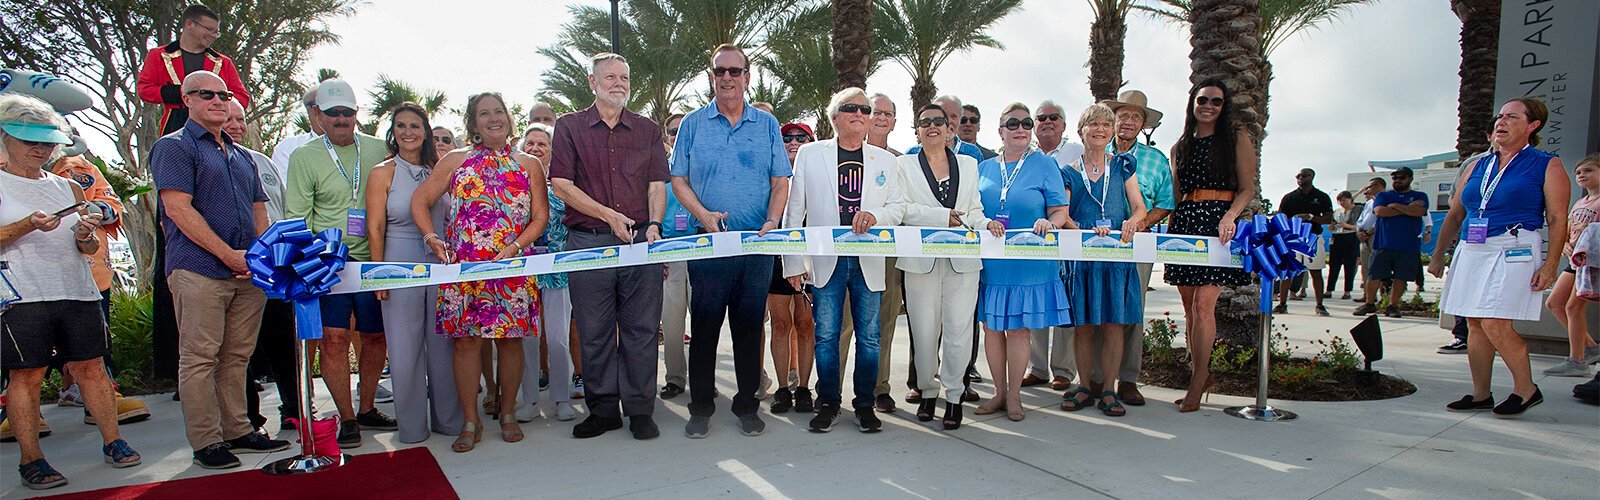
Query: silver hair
x=26 y=108
x=1050 y=104
x=594 y=62
x=549 y=131
x=874 y=97
x=951 y=98
x=841 y=96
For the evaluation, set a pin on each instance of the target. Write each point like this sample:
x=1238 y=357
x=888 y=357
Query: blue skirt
x=1012 y=307
x=1105 y=293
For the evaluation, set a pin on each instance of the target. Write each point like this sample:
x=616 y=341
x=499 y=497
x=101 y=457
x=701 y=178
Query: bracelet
x=519 y=245
x=431 y=236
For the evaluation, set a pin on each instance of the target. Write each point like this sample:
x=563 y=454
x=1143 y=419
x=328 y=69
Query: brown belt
x=1209 y=195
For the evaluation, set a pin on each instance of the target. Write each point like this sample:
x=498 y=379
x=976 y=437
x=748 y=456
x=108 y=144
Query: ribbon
x=291 y=263
x=1267 y=248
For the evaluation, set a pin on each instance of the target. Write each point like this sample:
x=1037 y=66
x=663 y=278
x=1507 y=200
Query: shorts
x=336 y=311
x=36 y=332
x=1319 y=261
x=1400 y=265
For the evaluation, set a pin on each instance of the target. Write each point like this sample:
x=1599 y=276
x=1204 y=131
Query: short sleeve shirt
x=1312 y=203
x=614 y=165
x=319 y=192
x=1398 y=232
x=222 y=180
x=1155 y=175
x=729 y=165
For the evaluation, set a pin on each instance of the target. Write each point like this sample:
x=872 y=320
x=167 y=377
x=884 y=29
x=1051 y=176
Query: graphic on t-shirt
x=850 y=178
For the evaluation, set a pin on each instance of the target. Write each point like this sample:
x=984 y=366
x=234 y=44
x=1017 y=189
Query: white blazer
x=814 y=201
x=923 y=208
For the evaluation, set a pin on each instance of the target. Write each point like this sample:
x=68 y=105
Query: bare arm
x=378 y=208
x=426 y=195
x=1450 y=229
x=1245 y=154
x=1557 y=197
x=658 y=209
x=621 y=226
x=1417 y=208
x=1135 y=222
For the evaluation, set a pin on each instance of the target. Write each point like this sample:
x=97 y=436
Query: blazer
x=922 y=208
x=814 y=201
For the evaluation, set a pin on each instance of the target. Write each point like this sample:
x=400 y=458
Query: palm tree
x=805 y=66
x=785 y=107
x=852 y=43
x=921 y=34
x=390 y=92
x=1106 y=35
x=1480 y=47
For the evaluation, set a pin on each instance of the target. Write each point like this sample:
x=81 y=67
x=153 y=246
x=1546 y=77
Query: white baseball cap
x=335 y=93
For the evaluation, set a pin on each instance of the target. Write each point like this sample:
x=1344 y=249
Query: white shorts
x=1484 y=284
x=1319 y=261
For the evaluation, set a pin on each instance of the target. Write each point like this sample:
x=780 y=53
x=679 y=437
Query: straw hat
x=1152 y=118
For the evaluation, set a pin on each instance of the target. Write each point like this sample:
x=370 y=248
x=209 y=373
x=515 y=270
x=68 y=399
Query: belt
x=1208 y=195
x=603 y=230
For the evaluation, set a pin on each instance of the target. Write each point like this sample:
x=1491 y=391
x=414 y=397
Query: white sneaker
x=1569 y=368
x=1591 y=354
x=72 y=396
x=766 y=383
x=564 y=411
x=527 y=412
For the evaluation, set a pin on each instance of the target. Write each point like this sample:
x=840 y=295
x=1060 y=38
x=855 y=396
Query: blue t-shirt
x=730 y=166
x=1398 y=232
x=669 y=220
x=1038 y=186
x=1086 y=195
x=1519 y=198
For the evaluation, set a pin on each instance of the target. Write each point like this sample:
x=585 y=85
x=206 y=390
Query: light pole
x=615 y=20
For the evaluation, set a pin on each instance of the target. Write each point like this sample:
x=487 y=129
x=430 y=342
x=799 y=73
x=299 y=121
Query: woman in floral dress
x=492 y=218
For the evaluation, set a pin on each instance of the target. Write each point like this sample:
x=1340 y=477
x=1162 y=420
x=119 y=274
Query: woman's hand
x=955 y=218
x=1042 y=226
x=512 y=250
x=1102 y=230
x=1436 y=268
x=43 y=222
x=441 y=250
x=1226 y=227
x=1129 y=227
x=382 y=294
x=997 y=229
x=86 y=226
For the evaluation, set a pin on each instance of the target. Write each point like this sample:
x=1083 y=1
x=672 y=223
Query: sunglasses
x=1052 y=117
x=969 y=120
x=855 y=108
x=340 y=112
x=444 y=139
x=672 y=131
x=210 y=94
x=1203 y=100
x=34 y=144
x=933 y=122
x=1012 y=124
x=734 y=72
x=796 y=138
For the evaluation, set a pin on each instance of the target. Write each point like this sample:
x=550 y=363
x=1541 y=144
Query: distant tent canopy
x=1449 y=160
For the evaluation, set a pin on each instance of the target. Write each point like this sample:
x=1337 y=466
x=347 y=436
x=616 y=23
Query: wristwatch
x=655 y=223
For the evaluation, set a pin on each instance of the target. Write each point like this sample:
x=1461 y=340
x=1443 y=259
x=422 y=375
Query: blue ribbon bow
x=291 y=263
x=1267 y=246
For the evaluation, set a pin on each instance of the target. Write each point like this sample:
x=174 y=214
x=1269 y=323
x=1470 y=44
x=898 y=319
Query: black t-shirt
x=1313 y=203
x=192 y=61
x=851 y=172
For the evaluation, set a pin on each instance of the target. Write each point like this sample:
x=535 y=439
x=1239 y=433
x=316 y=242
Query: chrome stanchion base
x=1263 y=413
x=304 y=464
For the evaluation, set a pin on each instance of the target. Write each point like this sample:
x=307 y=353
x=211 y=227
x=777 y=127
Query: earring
x=477 y=139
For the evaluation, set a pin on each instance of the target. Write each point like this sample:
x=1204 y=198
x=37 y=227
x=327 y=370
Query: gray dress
x=420 y=363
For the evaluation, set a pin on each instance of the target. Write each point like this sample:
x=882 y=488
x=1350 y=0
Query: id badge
x=356 y=223
x=1517 y=255
x=680 y=222
x=1106 y=223
x=1004 y=219
x=1477 y=230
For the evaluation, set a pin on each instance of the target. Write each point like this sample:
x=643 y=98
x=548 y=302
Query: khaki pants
x=218 y=320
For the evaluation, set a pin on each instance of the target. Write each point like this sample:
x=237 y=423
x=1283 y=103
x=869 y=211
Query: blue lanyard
x=355 y=185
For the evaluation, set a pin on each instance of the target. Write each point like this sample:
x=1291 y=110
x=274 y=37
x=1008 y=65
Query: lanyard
x=1105 y=186
x=355 y=185
x=1491 y=179
x=1007 y=178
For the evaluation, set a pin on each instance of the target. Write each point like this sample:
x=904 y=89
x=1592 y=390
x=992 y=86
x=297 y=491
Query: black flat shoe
x=1514 y=405
x=1467 y=405
x=925 y=409
x=952 y=416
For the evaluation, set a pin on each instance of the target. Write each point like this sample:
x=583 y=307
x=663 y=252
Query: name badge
x=1004 y=219
x=1477 y=230
x=1517 y=255
x=356 y=223
x=1102 y=223
x=680 y=222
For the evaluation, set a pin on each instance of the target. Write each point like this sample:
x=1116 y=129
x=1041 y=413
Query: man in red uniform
x=165 y=66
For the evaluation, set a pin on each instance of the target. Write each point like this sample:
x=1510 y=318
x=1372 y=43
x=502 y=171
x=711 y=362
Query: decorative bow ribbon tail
x=1268 y=247
x=291 y=263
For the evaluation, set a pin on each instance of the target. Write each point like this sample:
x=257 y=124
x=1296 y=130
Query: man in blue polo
x=729 y=170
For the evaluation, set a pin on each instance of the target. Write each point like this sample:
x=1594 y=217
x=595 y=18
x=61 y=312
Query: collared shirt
x=669 y=220
x=1065 y=153
x=730 y=166
x=271 y=182
x=319 y=193
x=1155 y=174
x=613 y=165
x=223 y=182
x=280 y=154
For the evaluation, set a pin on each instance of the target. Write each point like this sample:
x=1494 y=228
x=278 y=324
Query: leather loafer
x=1129 y=393
x=596 y=425
x=643 y=427
x=1031 y=380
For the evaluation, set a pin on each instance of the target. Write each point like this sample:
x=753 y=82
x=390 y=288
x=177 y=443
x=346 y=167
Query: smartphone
x=75 y=206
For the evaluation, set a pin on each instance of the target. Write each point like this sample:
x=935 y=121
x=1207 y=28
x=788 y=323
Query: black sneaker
x=1467 y=405
x=973 y=377
x=671 y=391
x=750 y=424
x=377 y=421
x=1514 y=405
x=256 y=442
x=1365 y=309
x=1322 y=311
x=826 y=415
x=803 y=402
x=867 y=420
x=884 y=403
x=349 y=434
x=596 y=425
x=969 y=396
x=1456 y=346
x=1392 y=312
x=544 y=381
x=782 y=401
x=643 y=427
x=215 y=456
x=1281 y=309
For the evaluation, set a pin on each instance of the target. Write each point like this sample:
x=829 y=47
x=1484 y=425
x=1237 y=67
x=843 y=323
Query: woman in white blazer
x=839 y=182
x=941 y=190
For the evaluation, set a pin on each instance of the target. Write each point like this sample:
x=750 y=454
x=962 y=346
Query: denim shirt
x=225 y=187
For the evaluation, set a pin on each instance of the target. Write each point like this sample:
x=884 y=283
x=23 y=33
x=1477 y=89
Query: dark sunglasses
x=672 y=131
x=734 y=72
x=796 y=138
x=340 y=112
x=939 y=121
x=209 y=94
x=855 y=108
x=969 y=120
x=1048 y=118
x=1012 y=124
x=444 y=139
x=1203 y=100
x=34 y=144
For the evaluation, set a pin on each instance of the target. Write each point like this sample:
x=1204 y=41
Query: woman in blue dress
x=1022 y=189
x=1106 y=296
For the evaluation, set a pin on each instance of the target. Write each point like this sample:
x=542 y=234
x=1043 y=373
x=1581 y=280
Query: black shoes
x=596 y=425
x=802 y=401
x=671 y=391
x=1514 y=405
x=215 y=456
x=952 y=416
x=256 y=442
x=826 y=415
x=1588 y=392
x=643 y=427
x=1467 y=405
x=1321 y=310
x=884 y=403
x=925 y=409
x=377 y=421
x=1392 y=312
x=969 y=396
x=782 y=401
x=867 y=420
x=349 y=434
x=1365 y=309
x=1281 y=309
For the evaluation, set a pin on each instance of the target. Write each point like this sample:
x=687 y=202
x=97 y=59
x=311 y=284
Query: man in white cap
x=327 y=181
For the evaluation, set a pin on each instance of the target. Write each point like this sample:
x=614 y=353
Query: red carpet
x=408 y=473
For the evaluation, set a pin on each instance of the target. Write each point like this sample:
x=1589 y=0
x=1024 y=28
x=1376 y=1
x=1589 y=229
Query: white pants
x=556 y=326
x=674 y=317
x=940 y=306
x=1056 y=343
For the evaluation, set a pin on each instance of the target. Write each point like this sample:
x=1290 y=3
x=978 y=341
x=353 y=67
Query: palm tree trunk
x=1480 y=50
x=922 y=91
x=1106 y=37
x=852 y=43
x=824 y=128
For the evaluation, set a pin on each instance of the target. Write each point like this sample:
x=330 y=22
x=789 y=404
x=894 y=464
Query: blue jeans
x=828 y=311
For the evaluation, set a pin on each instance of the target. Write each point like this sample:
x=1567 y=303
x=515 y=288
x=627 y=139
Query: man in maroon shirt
x=610 y=167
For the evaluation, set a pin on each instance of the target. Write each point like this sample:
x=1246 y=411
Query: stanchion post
x=1261 y=410
x=309 y=460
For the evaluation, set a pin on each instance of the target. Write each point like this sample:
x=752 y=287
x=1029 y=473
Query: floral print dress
x=490 y=207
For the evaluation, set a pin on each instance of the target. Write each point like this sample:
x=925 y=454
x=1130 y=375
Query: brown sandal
x=471 y=434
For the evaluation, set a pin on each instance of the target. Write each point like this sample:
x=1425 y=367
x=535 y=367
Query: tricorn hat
x=1152 y=118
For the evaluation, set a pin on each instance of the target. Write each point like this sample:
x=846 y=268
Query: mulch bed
x=1343 y=386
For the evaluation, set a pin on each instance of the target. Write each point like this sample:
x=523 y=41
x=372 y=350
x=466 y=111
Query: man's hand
x=863 y=221
x=86 y=226
x=381 y=294
x=955 y=218
x=652 y=233
x=766 y=226
x=711 y=221
x=44 y=222
x=621 y=226
x=234 y=259
x=799 y=282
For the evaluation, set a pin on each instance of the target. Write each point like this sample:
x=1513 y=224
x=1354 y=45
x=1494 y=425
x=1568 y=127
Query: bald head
x=198 y=80
x=207 y=99
x=235 y=125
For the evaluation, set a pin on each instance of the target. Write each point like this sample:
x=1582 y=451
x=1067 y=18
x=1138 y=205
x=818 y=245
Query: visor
x=35 y=132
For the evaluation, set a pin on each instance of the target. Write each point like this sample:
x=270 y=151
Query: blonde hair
x=1096 y=112
x=1013 y=107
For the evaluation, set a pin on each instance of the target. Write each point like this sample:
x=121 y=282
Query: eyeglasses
x=1203 y=100
x=882 y=112
x=796 y=138
x=969 y=120
x=444 y=139
x=207 y=95
x=31 y=144
x=939 y=121
x=1012 y=124
x=339 y=112
x=672 y=131
x=1052 y=117
x=734 y=72
x=855 y=108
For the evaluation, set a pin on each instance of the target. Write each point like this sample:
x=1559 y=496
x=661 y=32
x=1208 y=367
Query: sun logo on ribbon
x=1050 y=238
x=609 y=252
x=419 y=269
x=701 y=241
x=1200 y=245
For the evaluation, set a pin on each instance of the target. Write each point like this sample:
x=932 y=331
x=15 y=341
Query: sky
x=1377 y=84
